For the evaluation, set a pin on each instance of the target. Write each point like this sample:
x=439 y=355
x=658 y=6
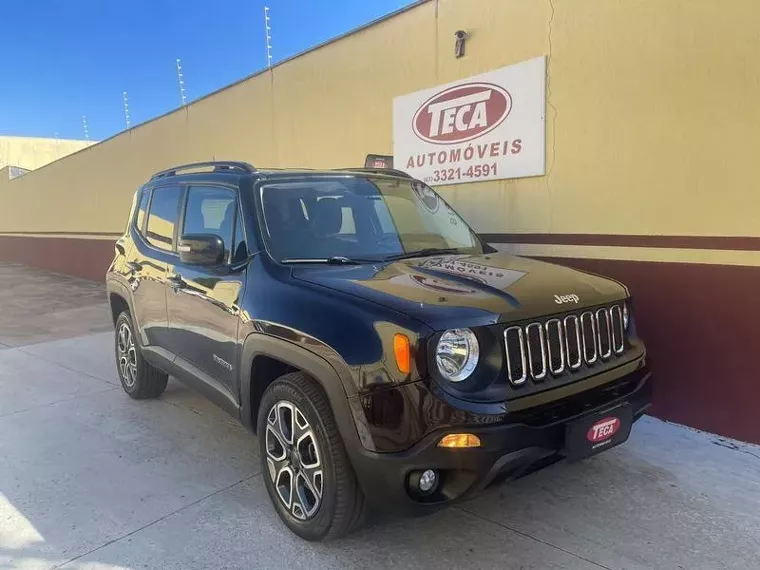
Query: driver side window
x=211 y=210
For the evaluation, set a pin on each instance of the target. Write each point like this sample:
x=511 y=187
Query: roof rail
x=218 y=165
x=390 y=171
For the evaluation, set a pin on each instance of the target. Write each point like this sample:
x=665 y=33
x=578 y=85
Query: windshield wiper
x=333 y=260
x=343 y=260
x=423 y=252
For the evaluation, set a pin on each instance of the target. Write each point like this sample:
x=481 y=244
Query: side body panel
x=203 y=315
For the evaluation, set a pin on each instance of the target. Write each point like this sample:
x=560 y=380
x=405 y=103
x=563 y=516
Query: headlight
x=457 y=354
x=625 y=316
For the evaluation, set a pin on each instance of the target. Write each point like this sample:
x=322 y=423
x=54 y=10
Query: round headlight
x=457 y=354
x=625 y=316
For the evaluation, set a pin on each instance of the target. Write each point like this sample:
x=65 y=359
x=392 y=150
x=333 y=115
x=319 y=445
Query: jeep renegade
x=382 y=352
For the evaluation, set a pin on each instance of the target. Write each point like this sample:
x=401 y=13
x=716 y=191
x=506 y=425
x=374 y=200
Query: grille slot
x=514 y=341
x=573 y=342
x=555 y=346
x=559 y=345
x=588 y=337
x=618 y=331
x=536 y=341
x=604 y=337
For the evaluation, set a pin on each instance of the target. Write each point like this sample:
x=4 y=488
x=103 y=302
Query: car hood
x=468 y=290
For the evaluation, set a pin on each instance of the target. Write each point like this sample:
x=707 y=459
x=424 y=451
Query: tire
x=138 y=378
x=341 y=507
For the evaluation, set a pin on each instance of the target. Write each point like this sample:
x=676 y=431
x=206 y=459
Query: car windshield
x=359 y=219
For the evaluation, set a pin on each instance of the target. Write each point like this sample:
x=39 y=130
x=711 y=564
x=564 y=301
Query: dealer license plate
x=597 y=432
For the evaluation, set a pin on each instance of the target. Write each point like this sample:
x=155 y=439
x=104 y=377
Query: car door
x=203 y=303
x=154 y=239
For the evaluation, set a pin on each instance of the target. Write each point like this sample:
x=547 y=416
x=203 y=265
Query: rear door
x=154 y=237
x=203 y=304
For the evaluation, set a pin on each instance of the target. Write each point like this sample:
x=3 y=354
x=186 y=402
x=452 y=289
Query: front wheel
x=305 y=466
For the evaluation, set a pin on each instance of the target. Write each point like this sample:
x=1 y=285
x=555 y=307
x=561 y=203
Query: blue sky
x=63 y=59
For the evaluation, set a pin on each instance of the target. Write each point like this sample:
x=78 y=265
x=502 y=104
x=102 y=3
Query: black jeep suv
x=383 y=354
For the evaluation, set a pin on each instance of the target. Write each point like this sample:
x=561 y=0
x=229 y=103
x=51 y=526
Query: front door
x=203 y=302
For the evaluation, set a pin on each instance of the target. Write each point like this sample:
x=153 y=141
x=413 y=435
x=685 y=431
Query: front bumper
x=525 y=441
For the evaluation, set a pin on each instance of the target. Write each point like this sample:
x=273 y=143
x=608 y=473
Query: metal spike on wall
x=126 y=109
x=84 y=125
x=268 y=29
x=181 y=83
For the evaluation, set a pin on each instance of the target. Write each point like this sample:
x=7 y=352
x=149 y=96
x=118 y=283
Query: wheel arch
x=292 y=357
x=119 y=299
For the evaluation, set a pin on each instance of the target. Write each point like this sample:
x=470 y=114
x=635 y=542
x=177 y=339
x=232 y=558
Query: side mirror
x=201 y=249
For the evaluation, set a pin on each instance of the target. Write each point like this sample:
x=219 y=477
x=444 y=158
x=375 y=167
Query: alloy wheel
x=293 y=460
x=127 y=355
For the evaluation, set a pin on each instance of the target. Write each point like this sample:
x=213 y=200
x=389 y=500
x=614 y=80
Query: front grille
x=558 y=345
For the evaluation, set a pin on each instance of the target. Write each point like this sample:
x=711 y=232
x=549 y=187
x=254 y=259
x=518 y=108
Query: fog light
x=428 y=481
x=459 y=440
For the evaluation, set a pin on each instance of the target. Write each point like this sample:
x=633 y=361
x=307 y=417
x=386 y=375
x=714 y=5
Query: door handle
x=176 y=282
x=134 y=266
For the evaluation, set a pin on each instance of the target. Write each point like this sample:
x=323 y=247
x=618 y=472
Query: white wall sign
x=485 y=127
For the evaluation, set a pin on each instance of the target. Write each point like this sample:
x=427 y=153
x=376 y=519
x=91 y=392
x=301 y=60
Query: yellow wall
x=651 y=125
x=32 y=153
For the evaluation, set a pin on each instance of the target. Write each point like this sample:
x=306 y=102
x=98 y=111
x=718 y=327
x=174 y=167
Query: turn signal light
x=402 y=352
x=459 y=440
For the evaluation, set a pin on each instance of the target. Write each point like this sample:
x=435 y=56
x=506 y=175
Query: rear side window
x=142 y=209
x=162 y=218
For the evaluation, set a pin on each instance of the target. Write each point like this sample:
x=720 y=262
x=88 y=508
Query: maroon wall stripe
x=742 y=243
x=32 y=234
x=86 y=258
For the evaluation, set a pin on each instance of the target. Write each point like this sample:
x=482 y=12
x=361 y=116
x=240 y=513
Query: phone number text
x=459 y=173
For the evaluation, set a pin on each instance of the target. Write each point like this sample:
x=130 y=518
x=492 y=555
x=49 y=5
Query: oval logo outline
x=603 y=429
x=507 y=104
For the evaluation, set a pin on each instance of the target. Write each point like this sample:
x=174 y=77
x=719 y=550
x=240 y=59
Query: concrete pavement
x=37 y=306
x=92 y=480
